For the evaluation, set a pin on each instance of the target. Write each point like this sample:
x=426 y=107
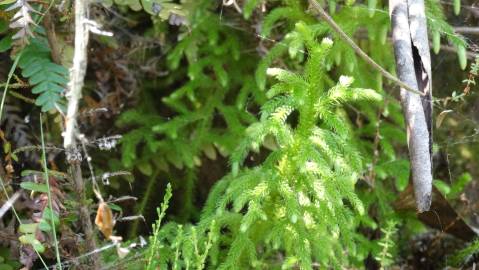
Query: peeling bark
x=413 y=64
x=74 y=94
x=77 y=74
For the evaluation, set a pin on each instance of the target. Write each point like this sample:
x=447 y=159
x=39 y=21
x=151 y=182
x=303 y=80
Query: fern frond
x=48 y=79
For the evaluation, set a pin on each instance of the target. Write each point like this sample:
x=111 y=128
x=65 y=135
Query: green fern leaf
x=48 y=79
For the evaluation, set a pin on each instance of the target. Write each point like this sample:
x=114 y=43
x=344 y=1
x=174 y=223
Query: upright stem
x=50 y=204
x=77 y=73
x=77 y=76
x=84 y=214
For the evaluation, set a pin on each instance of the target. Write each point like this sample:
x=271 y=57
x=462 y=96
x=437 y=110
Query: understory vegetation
x=234 y=134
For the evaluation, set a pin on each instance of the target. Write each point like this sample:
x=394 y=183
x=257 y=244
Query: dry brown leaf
x=104 y=219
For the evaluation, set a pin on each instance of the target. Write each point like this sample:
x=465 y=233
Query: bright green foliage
x=452 y=192
x=196 y=102
x=210 y=104
x=182 y=248
x=387 y=244
x=342 y=59
x=29 y=230
x=216 y=93
x=301 y=200
x=154 y=242
x=316 y=145
x=457 y=6
x=438 y=26
x=301 y=206
x=176 y=246
x=47 y=78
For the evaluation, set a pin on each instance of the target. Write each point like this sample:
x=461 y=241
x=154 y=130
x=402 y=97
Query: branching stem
x=77 y=74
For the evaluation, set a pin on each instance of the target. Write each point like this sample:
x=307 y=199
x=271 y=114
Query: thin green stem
x=50 y=205
x=10 y=75
x=161 y=214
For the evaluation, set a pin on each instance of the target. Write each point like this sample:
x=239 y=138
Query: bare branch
x=77 y=74
x=359 y=52
x=413 y=64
